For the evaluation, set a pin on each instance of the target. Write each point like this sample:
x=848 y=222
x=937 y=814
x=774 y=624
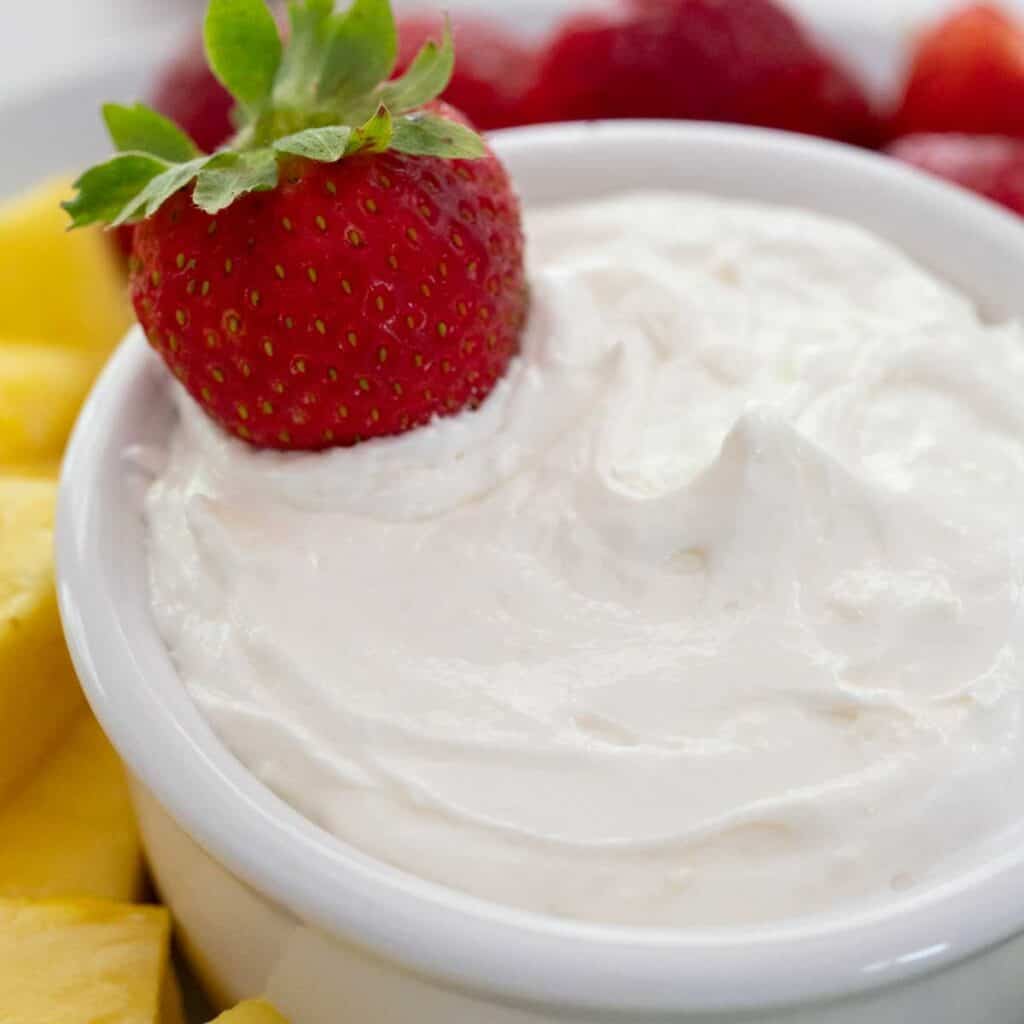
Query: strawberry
x=745 y=61
x=990 y=165
x=966 y=75
x=492 y=72
x=351 y=266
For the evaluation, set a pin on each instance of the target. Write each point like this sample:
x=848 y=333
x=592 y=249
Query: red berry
x=122 y=239
x=188 y=93
x=492 y=69
x=992 y=166
x=967 y=75
x=349 y=266
x=355 y=300
x=743 y=61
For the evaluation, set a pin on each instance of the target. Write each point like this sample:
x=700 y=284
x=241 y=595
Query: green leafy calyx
x=325 y=95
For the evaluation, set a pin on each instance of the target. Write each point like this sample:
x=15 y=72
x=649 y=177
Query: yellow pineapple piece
x=58 y=286
x=70 y=832
x=46 y=469
x=41 y=390
x=39 y=692
x=86 y=962
x=255 y=1011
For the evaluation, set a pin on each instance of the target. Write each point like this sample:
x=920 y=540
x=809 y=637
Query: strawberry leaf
x=244 y=49
x=425 y=79
x=158 y=190
x=430 y=135
x=326 y=144
x=374 y=136
x=360 y=52
x=230 y=175
x=139 y=129
x=103 y=191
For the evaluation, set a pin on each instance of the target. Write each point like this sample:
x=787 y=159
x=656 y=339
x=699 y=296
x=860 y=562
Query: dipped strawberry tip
x=323 y=95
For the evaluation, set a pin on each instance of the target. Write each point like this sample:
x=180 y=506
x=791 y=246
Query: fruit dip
x=708 y=615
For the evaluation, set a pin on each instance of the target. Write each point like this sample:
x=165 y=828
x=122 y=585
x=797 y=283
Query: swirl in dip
x=709 y=615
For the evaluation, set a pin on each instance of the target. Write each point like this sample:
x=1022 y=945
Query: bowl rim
x=488 y=948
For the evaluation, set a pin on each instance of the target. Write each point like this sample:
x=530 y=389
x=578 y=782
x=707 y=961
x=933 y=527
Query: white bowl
x=267 y=902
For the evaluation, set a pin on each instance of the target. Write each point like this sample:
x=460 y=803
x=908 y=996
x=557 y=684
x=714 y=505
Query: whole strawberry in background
x=966 y=75
x=989 y=165
x=351 y=265
x=493 y=72
x=745 y=61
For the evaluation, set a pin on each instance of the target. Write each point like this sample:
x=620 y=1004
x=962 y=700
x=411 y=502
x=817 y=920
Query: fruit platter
x=384 y=383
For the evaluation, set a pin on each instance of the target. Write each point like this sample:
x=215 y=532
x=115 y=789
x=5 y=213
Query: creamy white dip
x=709 y=615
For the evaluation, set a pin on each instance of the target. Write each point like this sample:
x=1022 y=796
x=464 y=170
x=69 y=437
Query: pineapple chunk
x=84 y=963
x=46 y=469
x=70 y=831
x=255 y=1011
x=39 y=692
x=41 y=390
x=55 y=285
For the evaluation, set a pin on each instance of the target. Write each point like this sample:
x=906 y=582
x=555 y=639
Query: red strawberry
x=123 y=239
x=990 y=165
x=349 y=280
x=745 y=61
x=967 y=75
x=189 y=94
x=492 y=72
